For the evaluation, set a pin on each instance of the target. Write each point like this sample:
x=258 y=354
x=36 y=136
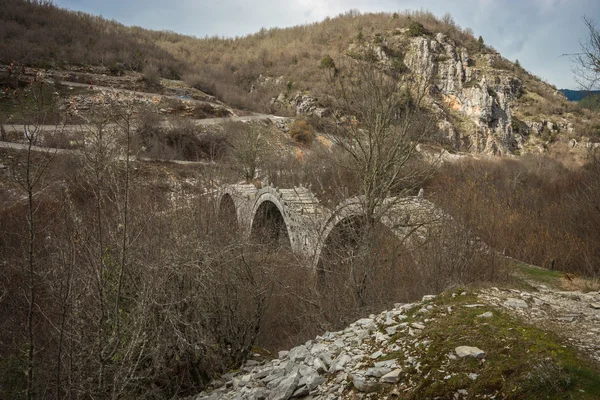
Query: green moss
x=521 y=361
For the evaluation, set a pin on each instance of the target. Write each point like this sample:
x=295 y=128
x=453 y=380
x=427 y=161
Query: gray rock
x=318 y=349
x=301 y=391
x=262 y=373
x=392 y=330
x=381 y=337
x=392 y=377
x=487 y=314
x=595 y=306
x=377 y=372
x=468 y=351
x=338 y=363
x=376 y=355
x=474 y=305
x=320 y=366
x=364 y=322
x=286 y=388
x=363 y=384
x=299 y=353
x=386 y=364
x=314 y=381
x=515 y=303
x=567 y=318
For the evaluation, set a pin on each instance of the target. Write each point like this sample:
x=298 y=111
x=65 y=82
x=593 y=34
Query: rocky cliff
x=485 y=104
x=479 y=94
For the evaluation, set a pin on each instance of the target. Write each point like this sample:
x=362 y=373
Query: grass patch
x=540 y=275
x=521 y=361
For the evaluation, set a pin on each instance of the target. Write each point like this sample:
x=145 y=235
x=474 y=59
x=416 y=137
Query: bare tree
x=587 y=61
x=29 y=174
x=380 y=120
x=248 y=147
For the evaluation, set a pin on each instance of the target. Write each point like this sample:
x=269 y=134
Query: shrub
x=416 y=29
x=151 y=75
x=302 y=132
x=327 y=62
x=201 y=82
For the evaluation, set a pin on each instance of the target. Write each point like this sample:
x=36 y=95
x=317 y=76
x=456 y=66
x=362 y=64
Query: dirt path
x=19 y=128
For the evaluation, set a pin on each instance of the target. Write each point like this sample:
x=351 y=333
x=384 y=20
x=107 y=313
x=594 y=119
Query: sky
x=536 y=32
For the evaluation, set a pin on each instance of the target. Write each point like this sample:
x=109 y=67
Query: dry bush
x=183 y=140
x=534 y=208
x=151 y=74
x=302 y=132
x=45 y=36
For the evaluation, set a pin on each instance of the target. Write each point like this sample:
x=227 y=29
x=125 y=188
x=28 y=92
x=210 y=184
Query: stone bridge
x=296 y=217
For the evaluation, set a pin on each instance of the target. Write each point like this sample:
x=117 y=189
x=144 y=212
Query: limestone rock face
x=464 y=88
x=301 y=103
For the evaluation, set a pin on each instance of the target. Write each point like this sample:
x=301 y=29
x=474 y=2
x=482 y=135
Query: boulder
x=468 y=351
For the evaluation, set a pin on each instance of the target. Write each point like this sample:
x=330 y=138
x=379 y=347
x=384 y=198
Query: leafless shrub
x=534 y=208
x=302 y=132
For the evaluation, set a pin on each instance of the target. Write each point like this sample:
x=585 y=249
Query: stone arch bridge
x=296 y=217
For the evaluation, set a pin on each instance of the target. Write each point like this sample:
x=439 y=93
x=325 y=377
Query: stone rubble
x=361 y=356
x=382 y=351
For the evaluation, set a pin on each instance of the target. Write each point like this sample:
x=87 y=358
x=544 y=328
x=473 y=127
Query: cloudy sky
x=536 y=32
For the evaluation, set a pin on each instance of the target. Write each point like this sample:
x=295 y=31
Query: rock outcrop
x=483 y=98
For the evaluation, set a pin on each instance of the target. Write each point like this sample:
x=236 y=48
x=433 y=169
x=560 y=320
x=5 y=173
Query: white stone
x=376 y=355
x=377 y=372
x=392 y=377
x=468 y=351
x=515 y=303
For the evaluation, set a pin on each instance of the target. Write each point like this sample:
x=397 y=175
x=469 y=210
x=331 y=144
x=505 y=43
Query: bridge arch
x=234 y=204
x=228 y=211
x=269 y=219
x=405 y=218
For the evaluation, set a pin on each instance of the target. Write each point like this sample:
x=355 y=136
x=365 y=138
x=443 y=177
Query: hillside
x=485 y=103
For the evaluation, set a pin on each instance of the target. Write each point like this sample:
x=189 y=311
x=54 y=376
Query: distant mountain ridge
x=577 y=95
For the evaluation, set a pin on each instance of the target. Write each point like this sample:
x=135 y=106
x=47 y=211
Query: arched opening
x=364 y=264
x=268 y=226
x=227 y=213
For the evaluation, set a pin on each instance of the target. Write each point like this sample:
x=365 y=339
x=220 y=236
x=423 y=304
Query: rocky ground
x=573 y=315
x=487 y=343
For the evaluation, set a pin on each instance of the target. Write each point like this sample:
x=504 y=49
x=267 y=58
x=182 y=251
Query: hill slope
x=485 y=103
